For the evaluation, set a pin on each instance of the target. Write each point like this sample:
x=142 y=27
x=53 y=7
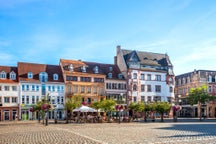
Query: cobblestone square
x=31 y=132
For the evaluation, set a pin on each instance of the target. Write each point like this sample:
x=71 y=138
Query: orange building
x=83 y=78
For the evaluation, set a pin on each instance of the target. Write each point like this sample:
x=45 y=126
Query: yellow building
x=83 y=78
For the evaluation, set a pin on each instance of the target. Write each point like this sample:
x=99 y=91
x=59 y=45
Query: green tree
x=137 y=107
x=70 y=104
x=108 y=106
x=162 y=107
x=199 y=96
x=152 y=108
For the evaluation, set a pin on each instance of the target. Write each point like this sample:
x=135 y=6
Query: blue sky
x=43 y=31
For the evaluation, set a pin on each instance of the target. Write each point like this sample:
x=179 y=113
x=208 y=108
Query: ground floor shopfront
x=26 y=114
x=9 y=113
x=208 y=110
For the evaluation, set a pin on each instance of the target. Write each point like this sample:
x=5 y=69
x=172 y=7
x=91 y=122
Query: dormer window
x=70 y=67
x=12 y=75
x=109 y=75
x=120 y=76
x=43 y=76
x=55 y=76
x=83 y=68
x=96 y=69
x=3 y=75
x=30 y=75
x=110 y=69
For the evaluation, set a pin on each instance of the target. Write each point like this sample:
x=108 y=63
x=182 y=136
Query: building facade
x=149 y=76
x=9 y=107
x=37 y=81
x=85 y=79
x=194 y=79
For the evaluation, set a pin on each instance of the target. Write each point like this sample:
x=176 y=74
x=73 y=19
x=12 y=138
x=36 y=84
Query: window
x=58 y=88
x=75 y=88
x=157 y=88
x=49 y=88
x=158 y=77
x=55 y=76
x=149 y=77
x=101 y=91
x=3 y=75
x=88 y=89
x=157 y=98
x=58 y=99
x=82 y=89
x=43 y=76
x=96 y=69
x=37 y=98
x=37 y=88
x=14 y=99
x=99 y=80
x=134 y=87
x=71 y=78
x=134 y=75
x=62 y=88
x=23 y=87
x=120 y=76
x=85 y=79
x=142 y=98
x=23 y=99
x=134 y=99
x=6 y=99
x=27 y=99
x=33 y=99
x=83 y=68
x=30 y=75
x=95 y=90
x=27 y=87
x=109 y=75
x=142 y=88
x=149 y=99
x=149 y=88
x=6 y=88
x=14 y=88
x=53 y=88
x=171 y=89
x=210 y=89
x=12 y=75
x=142 y=76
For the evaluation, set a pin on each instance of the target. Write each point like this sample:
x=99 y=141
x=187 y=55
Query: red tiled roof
x=7 y=70
x=36 y=69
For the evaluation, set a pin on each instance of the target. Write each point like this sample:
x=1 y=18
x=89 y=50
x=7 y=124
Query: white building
x=149 y=75
x=9 y=107
x=37 y=81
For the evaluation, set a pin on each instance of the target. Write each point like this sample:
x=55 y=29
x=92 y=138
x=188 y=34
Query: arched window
x=55 y=76
x=3 y=75
x=43 y=77
x=12 y=75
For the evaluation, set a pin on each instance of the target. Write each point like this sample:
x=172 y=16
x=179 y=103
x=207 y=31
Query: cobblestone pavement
x=108 y=133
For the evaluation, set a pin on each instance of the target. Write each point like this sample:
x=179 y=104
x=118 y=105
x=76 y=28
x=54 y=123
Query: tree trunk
x=162 y=117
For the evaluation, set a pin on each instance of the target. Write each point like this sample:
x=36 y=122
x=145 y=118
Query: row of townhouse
x=194 y=79
x=135 y=76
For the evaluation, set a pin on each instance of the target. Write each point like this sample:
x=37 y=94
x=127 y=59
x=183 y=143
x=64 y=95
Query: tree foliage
x=162 y=107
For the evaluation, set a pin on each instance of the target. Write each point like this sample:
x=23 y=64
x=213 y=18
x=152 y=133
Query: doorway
x=6 y=115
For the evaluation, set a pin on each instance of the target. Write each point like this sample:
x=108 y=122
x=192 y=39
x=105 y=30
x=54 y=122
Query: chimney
x=115 y=60
x=118 y=48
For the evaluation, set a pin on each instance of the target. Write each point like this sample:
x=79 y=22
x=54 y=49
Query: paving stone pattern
x=108 y=133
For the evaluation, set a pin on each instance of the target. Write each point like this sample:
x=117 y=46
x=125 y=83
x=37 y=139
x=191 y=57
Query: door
x=6 y=115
